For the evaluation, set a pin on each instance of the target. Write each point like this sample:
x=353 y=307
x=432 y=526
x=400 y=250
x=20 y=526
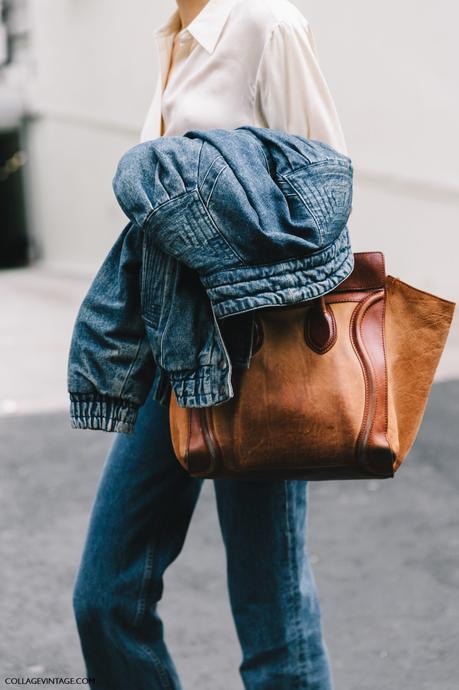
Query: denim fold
x=221 y=223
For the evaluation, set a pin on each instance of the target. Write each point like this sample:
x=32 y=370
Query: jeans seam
x=159 y=668
x=146 y=578
x=296 y=612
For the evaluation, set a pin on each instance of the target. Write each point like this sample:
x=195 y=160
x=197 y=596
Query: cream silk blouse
x=242 y=62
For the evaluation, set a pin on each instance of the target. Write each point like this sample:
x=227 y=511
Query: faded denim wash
x=138 y=525
x=222 y=222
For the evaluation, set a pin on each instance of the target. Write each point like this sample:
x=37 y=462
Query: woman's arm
x=291 y=92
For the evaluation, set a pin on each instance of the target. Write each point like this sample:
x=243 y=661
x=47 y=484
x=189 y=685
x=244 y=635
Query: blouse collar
x=205 y=28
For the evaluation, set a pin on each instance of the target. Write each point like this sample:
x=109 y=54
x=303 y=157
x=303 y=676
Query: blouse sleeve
x=291 y=92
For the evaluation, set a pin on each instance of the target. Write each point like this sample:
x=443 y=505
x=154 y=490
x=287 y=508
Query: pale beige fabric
x=242 y=62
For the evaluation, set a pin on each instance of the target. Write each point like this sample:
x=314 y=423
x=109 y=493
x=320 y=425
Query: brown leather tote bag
x=336 y=388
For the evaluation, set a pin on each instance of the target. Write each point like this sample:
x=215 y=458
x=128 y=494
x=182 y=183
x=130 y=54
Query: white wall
x=95 y=74
x=391 y=68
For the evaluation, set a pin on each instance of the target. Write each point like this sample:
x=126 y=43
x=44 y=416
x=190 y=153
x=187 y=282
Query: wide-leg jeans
x=138 y=525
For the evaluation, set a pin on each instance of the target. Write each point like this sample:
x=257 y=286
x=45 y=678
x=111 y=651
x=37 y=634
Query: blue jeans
x=138 y=525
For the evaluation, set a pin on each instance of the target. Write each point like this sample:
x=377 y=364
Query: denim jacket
x=221 y=223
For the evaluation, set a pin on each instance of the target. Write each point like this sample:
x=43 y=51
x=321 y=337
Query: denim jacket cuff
x=102 y=412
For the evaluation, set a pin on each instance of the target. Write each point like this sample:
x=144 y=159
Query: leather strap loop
x=320 y=331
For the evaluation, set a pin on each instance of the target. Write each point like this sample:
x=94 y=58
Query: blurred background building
x=84 y=74
x=14 y=75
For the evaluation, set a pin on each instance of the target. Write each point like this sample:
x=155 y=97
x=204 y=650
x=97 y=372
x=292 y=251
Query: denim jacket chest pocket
x=328 y=204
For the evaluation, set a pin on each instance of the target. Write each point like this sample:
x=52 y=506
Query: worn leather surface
x=336 y=388
x=417 y=325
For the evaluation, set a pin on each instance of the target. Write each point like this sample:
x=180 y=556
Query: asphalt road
x=385 y=555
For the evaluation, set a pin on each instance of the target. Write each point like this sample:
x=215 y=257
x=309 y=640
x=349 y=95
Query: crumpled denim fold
x=221 y=223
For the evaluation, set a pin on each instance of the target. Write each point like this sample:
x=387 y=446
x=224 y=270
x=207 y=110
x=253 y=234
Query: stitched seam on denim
x=145 y=286
x=297 y=191
x=331 y=247
x=232 y=302
x=179 y=196
x=333 y=161
x=208 y=216
x=294 y=591
x=236 y=300
x=291 y=174
x=317 y=253
x=128 y=373
x=146 y=581
x=160 y=669
x=141 y=607
x=299 y=273
x=148 y=568
x=148 y=322
x=289 y=549
x=198 y=167
x=165 y=203
x=146 y=576
x=143 y=282
x=280 y=292
x=256 y=279
x=160 y=357
x=209 y=169
x=216 y=228
x=209 y=198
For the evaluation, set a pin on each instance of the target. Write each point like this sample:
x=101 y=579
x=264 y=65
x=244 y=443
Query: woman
x=223 y=63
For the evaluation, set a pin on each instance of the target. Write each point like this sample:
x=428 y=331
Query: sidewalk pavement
x=385 y=553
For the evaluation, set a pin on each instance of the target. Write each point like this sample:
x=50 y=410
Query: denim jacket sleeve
x=126 y=340
x=111 y=366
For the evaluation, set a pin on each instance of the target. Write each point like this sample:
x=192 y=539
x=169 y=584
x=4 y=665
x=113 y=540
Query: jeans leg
x=272 y=590
x=137 y=528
